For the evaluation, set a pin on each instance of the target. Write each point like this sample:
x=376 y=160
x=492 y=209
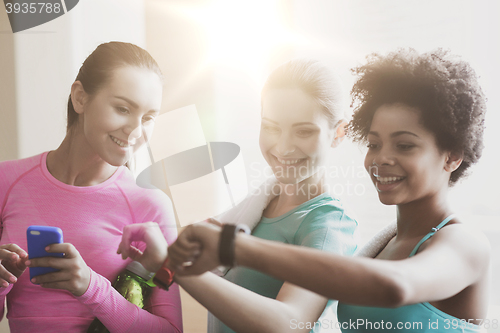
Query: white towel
x=378 y=242
x=249 y=211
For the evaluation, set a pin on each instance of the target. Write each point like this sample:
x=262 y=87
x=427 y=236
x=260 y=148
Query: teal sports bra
x=420 y=317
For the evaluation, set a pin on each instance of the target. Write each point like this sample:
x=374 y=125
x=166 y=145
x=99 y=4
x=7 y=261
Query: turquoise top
x=318 y=223
x=420 y=317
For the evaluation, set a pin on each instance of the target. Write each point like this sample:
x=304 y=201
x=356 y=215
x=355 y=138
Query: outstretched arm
x=245 y=311
x=240 y=309
x=424 y=277
x=237 y=307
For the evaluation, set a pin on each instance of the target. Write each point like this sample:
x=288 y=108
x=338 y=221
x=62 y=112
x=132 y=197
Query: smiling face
x=403 y=159
x=115 y=119
x=295 y=135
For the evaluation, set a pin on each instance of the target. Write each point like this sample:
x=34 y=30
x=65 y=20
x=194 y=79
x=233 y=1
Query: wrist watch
x=164 y=277
x=226 y=243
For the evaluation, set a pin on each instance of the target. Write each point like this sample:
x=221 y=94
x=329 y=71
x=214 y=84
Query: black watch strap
x=226 y=243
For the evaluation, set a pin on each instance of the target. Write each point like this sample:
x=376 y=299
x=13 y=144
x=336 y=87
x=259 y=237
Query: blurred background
x=216 y=54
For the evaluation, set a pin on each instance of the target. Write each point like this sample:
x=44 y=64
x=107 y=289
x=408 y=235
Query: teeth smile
x=120 y=143
x=388 y=180
x=289 y=162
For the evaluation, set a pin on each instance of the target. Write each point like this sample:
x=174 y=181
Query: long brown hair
x=98 y=68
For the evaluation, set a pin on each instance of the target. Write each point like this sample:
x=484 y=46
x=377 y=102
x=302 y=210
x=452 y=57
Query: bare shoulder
x=465 y=240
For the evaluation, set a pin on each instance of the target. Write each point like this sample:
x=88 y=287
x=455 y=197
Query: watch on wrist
x=164 y=277
x=226 y=243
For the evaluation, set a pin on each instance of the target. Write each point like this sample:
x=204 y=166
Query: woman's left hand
x=74 y=274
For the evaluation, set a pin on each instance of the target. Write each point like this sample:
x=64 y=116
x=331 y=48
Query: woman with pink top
x=84 y=188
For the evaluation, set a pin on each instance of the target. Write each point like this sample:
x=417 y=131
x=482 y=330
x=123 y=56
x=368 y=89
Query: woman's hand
x=73 y=274
x=196 y=249
x=155 y=253
x=12 y=263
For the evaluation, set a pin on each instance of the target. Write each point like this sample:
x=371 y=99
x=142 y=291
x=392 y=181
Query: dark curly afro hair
x=444 y=89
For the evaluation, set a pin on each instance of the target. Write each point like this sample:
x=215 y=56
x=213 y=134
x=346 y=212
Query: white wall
x=8 y=116
x=47 y=59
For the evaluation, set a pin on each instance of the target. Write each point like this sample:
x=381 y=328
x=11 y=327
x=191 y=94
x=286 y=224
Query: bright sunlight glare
x=243 y=35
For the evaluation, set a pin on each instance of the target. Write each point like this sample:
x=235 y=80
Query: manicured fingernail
x=5 y=284
x=47 y=248
x=33 y=280
x=12 y=279
x=27 y=262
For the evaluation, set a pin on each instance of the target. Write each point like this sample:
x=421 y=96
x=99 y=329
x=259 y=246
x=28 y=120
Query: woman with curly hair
x=422 y=118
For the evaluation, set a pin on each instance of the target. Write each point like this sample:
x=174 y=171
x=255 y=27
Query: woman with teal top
x=422 y=117
x=302 y=120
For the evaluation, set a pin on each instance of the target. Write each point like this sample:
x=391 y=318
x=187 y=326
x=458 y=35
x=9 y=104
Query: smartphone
x=38 y=238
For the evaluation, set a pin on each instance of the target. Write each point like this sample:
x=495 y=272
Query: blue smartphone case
x=38 y=238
